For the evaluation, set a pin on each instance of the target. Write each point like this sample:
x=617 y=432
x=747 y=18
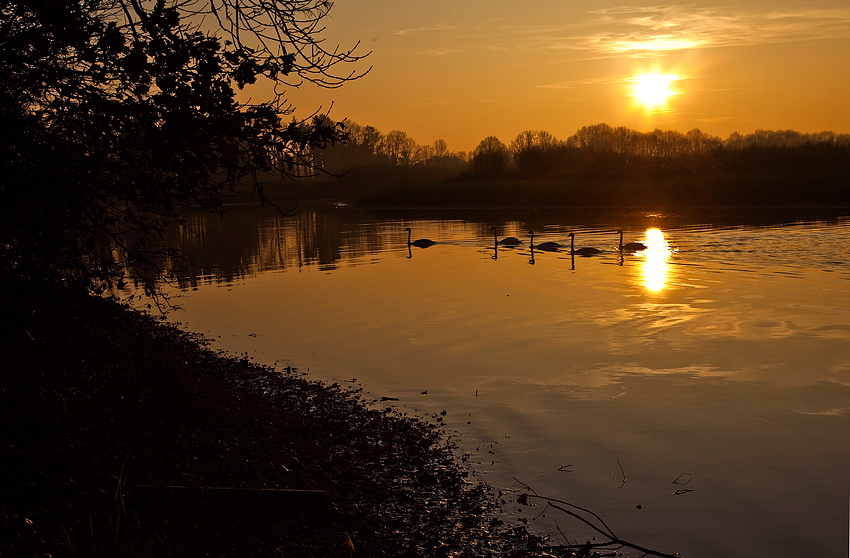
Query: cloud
x=637 y=30
x=559 y=85
x=573 y=84
x=425 y=30
x=721 y=119
x=436 y=51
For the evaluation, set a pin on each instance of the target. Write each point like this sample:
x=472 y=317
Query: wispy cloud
x=721 y=119
x=636 y=30
x=608 y=80
x=437 y=51
x=648 y=30
x=425 y=30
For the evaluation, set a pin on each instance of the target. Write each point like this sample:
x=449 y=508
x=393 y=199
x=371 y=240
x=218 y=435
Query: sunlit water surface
x=705 y=380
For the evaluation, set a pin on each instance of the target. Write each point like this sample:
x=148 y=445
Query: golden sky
x=461 y=70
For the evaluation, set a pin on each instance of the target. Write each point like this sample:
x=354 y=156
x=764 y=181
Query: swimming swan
x=509 y=241
x=581 y=251
x=419 y=243
x=631 y=246
x=545 y=245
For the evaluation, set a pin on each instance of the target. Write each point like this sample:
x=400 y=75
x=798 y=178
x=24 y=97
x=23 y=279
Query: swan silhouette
x=419 y=243
x=509 y=241
x=544 y=245
x=630 y=246
x=581 y=251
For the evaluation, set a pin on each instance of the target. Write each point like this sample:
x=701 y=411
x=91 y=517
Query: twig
x=613 y=542
x=690 y=478
x=543 y=511
x=527 y=487
x=558 y=527
x=622 y=471
x=609 y=533
x=681 y=491
x=619 y=544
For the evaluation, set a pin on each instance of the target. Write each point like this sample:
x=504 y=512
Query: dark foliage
x=116 y=112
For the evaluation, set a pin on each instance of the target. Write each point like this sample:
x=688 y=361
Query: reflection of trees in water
x=252 y=240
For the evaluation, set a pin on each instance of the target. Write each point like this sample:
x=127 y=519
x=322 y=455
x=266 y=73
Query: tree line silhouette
x=598 y=165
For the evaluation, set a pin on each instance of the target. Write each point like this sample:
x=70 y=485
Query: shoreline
x=99 y=400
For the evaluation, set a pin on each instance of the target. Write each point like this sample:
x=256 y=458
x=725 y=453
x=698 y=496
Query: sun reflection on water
x=654 y=267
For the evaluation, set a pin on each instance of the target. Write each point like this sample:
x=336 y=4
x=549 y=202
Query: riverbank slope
x=99 y=401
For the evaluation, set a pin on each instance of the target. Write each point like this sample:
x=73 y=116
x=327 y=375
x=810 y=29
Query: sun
x=653 y=90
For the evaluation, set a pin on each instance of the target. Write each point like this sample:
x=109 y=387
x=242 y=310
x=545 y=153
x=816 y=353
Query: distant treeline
x=598 y=165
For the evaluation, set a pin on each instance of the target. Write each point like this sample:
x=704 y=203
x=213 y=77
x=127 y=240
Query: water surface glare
x=719 y=353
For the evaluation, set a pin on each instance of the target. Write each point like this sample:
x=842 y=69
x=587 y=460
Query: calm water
x=719 y=357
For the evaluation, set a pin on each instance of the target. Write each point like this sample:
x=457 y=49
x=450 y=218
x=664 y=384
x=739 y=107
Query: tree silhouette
x=441 y=148
x=490 y=157
x=536 y=152
x=399 y=147
x=115 y=113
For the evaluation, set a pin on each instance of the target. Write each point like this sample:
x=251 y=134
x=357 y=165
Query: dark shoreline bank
x=98 y=399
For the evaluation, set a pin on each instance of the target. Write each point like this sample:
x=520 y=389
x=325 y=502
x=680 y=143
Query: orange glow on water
x=655 y=269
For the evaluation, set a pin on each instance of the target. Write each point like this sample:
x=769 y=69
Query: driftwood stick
x=613 y=542
x=619 y=544
x=585 y=521
x=542 y=511
x=609 y=533
x=558 y=527
x=622 y=471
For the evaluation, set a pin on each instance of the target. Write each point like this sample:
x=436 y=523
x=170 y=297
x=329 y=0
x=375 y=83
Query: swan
x=509 y=241
x=631 y=246
x=545 y=245
x=419 y=243
x=581 y=251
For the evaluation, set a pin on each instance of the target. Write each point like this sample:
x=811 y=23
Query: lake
x=695 y=395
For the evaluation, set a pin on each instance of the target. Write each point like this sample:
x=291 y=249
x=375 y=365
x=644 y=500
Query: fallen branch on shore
x=609 y=540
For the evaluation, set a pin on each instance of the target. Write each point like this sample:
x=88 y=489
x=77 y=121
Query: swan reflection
x=654 y=267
